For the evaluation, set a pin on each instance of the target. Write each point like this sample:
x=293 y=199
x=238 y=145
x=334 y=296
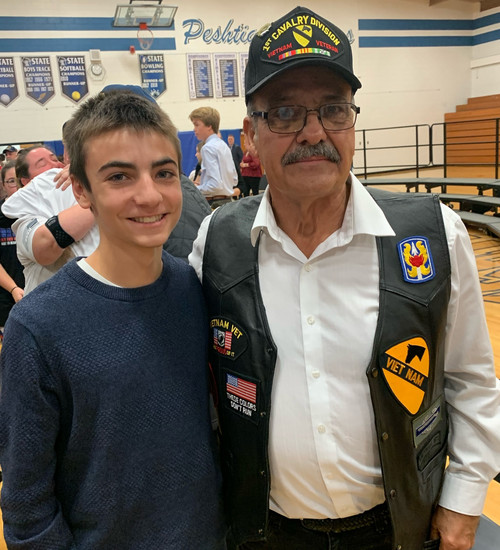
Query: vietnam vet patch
x=241 y=395
x=416 y=260
x=406 y=369
x=228 y=339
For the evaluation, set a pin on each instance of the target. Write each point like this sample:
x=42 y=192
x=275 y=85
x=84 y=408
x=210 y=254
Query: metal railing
x=421 y=146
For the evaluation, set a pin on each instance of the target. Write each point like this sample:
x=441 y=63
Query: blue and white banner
x=152 y=68
x=73 y=77
x=200 y=76
x=226 y=75
x=38 y=79
x=8 y=83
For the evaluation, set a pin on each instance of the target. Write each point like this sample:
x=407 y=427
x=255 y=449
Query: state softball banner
x=8 y=83
x=73 y=77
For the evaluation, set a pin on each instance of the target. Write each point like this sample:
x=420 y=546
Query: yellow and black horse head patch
x=406 y=370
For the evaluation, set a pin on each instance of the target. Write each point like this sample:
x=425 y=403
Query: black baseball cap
x=299 y=38
x=137 y=90
x=9 y=149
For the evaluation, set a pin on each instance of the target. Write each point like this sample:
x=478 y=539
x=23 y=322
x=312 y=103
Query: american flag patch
x=223 y=338
x=241 y=388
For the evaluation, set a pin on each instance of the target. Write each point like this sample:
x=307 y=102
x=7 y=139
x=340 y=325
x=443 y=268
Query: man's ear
x=24 y=181
x=249 y=131
x=82 y=196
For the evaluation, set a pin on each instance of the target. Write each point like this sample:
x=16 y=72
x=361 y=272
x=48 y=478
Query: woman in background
x=251 y=171
x=11 y=270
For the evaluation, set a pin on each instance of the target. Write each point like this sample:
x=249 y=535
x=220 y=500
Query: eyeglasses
x=291 y=119
x=11 y=181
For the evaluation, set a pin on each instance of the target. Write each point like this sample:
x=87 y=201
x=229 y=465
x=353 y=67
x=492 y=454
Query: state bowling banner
x=73 y=77
x=38 y=79
x=153 y=74
x=8 y=83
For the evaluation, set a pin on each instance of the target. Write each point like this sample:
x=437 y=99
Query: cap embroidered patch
x=308 y=35
x=416 y=260
x=227 y=338
x=299 y=38
x=406 y=370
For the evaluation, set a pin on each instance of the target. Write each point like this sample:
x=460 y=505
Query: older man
x=348 y=329
x=50 y=226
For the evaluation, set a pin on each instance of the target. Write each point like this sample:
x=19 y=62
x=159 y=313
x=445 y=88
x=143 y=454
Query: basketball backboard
x=130 y=15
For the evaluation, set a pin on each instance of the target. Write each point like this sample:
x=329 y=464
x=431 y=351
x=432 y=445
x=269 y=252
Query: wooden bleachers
x=471 y=132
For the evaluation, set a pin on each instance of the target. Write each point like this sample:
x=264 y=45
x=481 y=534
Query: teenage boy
x=218 y=175
x=105 y=435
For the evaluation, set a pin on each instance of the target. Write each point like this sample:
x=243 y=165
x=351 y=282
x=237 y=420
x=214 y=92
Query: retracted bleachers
x=472 y=208
x=471 y=134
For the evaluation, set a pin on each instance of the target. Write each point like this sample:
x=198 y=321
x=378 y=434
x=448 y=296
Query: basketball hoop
x=145 y=36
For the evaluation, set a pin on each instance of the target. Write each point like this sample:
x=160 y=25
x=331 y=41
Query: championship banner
x=38 y=79
x=243 y=66
x=73 y=77
x=8 y=84
x=200 y=76
x=226 y=75
x=153 y=74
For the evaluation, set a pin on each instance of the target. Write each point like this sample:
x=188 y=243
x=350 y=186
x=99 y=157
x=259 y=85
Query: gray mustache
x=306 y=151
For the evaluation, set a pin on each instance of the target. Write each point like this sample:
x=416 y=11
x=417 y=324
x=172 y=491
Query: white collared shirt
x=323 y=312
x=218 y=175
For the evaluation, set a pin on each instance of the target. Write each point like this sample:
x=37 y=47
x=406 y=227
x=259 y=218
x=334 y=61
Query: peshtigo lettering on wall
x=222 y=34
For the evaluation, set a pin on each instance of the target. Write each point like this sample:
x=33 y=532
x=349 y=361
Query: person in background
x=10 y=153
x=194 y=176
x=194 y=210
x=251 y=171
x=237 y=154
x=105 y=433
x=218 y=174
x=50 y=226
x=11 y=270
x=350 y=349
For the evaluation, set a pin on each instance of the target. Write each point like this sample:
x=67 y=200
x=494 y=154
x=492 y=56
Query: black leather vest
x=405 y=374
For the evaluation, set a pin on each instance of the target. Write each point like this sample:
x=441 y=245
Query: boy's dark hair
x=22 y=167
x=109 y=111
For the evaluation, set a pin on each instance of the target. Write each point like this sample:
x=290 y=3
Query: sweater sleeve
x=29 y=426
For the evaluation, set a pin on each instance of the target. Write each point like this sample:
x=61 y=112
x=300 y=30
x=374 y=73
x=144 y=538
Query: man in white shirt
x=348 y=330
x=50 y=226
x=218 y=174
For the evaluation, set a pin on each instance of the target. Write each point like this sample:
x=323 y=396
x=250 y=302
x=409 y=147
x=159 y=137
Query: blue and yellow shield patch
x=416 y=260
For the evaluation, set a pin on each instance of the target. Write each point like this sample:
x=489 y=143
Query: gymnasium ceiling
x=484 y=4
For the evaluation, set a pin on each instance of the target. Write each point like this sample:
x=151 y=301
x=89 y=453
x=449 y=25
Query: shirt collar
x=362 y=216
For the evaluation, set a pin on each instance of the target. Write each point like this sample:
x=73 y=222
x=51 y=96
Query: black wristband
x=62 y=238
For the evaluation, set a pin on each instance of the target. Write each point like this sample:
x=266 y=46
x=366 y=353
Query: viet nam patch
x=416 y=260
x=406 y=369
x=228 y=339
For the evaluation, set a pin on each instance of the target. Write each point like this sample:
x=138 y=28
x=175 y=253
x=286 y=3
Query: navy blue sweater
x=105 y=437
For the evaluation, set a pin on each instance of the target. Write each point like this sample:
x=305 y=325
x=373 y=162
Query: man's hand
x=457 y=531
x=63 y=179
